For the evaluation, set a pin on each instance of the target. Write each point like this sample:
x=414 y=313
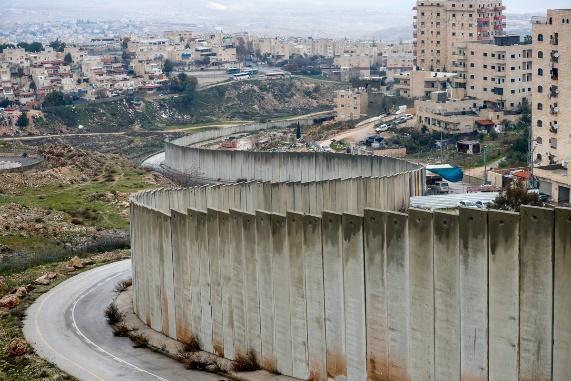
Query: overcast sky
x=320 y=18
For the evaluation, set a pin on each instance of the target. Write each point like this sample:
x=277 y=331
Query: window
x=539 y=124
x=540 y=89
x=540 y=54
x=540 y=37
x=540 y=72
x=539 y=140
x=540 y=106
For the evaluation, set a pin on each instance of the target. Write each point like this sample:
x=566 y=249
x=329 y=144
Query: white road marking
x=88 y=341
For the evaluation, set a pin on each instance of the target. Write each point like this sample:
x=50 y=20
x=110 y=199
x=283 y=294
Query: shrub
x=113 y=315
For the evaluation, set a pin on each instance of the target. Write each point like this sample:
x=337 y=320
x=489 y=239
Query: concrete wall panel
x=474 y=293
x=238 y=282
x=562 y=296
x=281 y=288
x=376 y=296
x=315 y=296
x=226 y=248
x=264 y=250
x=536 y=293
x=214 y=253
x=421 y=294
x=297 y=295
x=354 y=283
x=503 y=261
x=334 y=295
x=398 y=297
x=446 y=298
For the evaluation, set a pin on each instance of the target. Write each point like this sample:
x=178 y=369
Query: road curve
x=67 y=327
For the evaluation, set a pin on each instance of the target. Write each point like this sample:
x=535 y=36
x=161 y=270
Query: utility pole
x=485 y=167
x=441 y=146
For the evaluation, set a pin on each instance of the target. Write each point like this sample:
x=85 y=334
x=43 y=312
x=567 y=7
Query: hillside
x=246 y=100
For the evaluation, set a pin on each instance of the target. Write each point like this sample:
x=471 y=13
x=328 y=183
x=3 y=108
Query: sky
x=319 y=18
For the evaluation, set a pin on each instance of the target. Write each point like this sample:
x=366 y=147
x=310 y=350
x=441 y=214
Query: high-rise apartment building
x=551 y=102
x=439 y=25
x=497 y=71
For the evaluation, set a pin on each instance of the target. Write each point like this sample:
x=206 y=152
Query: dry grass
x=192 y=345
x=120 y=330
x=139 y=341
x=124 y=285
x=246 y=362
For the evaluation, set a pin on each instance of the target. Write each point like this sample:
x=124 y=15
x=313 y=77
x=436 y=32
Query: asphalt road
x=67 y=327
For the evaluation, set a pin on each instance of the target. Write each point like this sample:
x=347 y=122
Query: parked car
x=468 y=204
x=382 y=128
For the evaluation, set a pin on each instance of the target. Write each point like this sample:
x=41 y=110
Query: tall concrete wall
x=370 y=295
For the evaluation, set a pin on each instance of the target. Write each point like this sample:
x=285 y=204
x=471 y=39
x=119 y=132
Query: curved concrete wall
x=310 y=265
x=374 y=295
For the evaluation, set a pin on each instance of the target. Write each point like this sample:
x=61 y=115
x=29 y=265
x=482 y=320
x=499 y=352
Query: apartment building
x=351 y=104
x=498 y=71
x=551 y=102
x=439 y=25
x=420 y=84
x=399 y=59
x=457 y=116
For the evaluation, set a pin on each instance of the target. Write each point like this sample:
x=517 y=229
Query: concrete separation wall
x=375 y=295
x=310 y=264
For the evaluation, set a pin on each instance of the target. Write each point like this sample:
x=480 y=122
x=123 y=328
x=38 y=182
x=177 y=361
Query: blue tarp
x=452 y=174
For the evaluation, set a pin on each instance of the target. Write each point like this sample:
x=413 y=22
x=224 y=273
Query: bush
x=514 y=196
x=113 y=315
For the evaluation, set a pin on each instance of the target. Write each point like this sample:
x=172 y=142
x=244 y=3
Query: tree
x=4 y=103
x=168 y=67
x=34 y=47
x=68 y=59
x=298 y=131
x=54 y=99
x=57 y=45
x=514 y=196
x=22 y=120
x=6 y=46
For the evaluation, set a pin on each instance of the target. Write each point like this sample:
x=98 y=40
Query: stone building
x=441 y=24
x=551 y=102
x=351 y=104
x=497 y=71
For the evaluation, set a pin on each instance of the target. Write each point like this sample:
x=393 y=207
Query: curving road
x=67 y=327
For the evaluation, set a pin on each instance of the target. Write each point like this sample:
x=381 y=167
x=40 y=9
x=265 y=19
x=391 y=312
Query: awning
x=447 y=172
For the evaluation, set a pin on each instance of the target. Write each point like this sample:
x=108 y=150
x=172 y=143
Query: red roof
x=485 y=122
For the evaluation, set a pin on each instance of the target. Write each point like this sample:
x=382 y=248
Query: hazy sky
x=336 y=18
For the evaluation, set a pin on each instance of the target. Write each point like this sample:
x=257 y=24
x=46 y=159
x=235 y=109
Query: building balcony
x=555 y=74
x=554 y=40
x=500 y=8
x=483 y=19
x=554 y=128
x=554 y=91
x=499 y=17
x=554 y=110
x=554 y=56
